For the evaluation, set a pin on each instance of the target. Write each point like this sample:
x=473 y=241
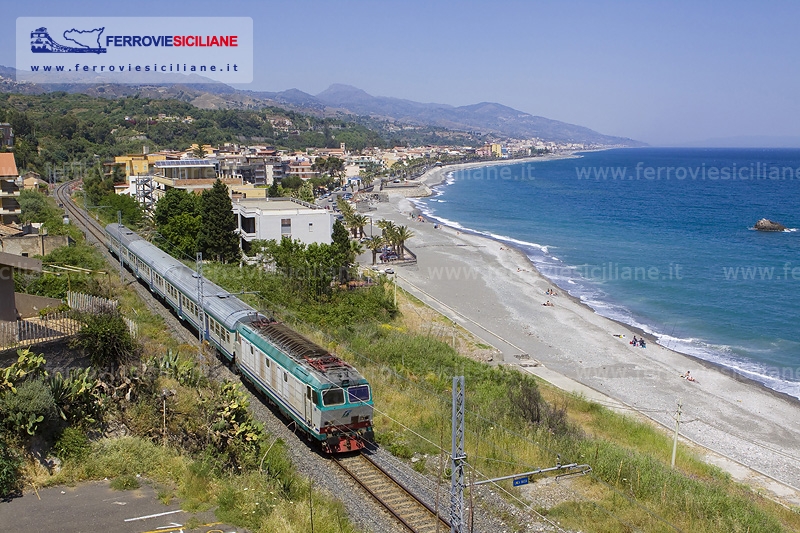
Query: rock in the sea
x=769 y=225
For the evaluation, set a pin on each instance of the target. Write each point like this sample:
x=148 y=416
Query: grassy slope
x=631 y=487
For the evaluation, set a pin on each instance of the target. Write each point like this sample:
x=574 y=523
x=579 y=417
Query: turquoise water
x=660 y=239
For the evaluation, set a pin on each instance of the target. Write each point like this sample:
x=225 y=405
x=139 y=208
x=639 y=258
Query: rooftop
x=274 y=204
x=185 y=163
x=8 y=165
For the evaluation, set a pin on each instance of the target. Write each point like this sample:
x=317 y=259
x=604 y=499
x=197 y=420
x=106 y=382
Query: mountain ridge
x=487 y=118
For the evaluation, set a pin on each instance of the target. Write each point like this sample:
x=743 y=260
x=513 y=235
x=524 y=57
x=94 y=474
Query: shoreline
x=436 y=179
x=734 y=422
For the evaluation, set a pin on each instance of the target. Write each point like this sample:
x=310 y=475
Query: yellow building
x=138 y=164
x=247 y=190
x=497 y=150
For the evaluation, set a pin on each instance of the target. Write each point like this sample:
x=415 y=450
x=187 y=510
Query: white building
x=274 y=218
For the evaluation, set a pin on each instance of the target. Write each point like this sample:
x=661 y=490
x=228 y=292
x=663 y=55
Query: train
x=326 y=397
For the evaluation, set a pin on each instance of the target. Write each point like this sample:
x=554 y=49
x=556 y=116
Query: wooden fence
x=87 y=303
x=56 y=326
x=35 y=330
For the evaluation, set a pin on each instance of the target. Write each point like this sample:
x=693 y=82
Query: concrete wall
x=308 y=227
x=31 y=245
x=8 y=310
x=29 y=305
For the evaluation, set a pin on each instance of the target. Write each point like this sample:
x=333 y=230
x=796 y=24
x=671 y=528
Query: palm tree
x=388 y=229
x=385 y=225
x=375 y=244
x=345 y=208
x=401 y=235
x=356 y=249
x=357 y=223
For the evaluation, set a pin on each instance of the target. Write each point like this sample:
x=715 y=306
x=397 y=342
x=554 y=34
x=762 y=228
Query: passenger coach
x=324 y=395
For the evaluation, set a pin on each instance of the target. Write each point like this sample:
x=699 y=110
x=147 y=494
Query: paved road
x=93 y=507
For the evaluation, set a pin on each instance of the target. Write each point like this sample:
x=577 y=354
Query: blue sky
x=662 y=72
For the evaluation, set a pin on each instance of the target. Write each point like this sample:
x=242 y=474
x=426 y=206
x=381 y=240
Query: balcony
x=9 y=193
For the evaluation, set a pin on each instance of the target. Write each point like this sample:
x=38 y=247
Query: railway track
x=402 y=505
x=95 y=235
x=406 y=508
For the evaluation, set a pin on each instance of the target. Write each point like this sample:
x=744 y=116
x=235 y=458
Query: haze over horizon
x=668 y=74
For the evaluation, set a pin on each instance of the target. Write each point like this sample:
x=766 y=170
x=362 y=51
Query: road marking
x=152 y=515
x=169 y=529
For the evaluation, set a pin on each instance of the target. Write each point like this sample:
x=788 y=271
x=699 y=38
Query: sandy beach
x=494 y=291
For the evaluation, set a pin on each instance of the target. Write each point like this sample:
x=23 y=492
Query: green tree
x=181 y=233
x=357 y=223
x=306 y=192
x=34 y=207
x=175 y=202
x=96 y=186
x=388 y=232
x=374 y=245
x=132 y=213
x=356 y=249
x=218 y=239
x=341 y=245
x=401 y=235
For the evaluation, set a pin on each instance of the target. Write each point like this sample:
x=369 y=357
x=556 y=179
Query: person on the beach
x=635 y=341
x=642 y=343
x=688 y=376
x=548 y=303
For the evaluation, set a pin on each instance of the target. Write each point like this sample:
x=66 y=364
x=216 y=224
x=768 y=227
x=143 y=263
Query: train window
x=333 y=396
x=358 y=394
x=267 y=359
x=308 y=392
x=285 y=376
x=251 y=348
x=314 y=397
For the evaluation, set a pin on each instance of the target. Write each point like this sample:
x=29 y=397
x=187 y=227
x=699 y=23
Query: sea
x=658 y=238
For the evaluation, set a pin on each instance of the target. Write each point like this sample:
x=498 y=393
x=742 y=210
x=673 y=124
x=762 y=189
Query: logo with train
x=85 y=41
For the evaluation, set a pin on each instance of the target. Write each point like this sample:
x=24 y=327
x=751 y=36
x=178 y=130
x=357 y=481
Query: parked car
x=388 y=256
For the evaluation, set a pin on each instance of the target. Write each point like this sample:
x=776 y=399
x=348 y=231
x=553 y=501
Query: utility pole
x=395 y=289
x=675 y=438
x=457 y=459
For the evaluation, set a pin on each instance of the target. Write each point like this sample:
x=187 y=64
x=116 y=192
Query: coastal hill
x=344 y=101
x=488 y=117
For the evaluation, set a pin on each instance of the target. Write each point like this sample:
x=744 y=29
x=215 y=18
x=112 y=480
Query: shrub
x=10 y=467
x=28 y=407
x=125 y=482
x=106 y=340
x=77 y=397
x=72 y=444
